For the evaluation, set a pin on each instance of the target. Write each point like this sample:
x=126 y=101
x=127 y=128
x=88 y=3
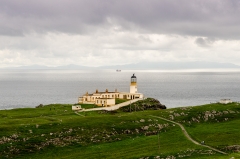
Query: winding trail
x=187 y=135
x=79 y=114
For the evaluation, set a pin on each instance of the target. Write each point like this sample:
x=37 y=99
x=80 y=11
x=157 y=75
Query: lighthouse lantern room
x=133 y=85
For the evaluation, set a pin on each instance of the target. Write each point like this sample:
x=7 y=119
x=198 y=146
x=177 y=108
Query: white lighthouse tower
x=133 y=85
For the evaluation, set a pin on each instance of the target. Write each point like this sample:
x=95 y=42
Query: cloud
x=90 y=32
x=195 y=18
x=204 y=42
x=54 y=49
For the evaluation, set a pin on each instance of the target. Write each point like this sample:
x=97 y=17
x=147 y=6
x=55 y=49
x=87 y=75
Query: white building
x=105 y=101
x=225 y=101
x=108 y=98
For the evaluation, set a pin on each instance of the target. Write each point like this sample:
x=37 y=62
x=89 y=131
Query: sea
x=29 y=88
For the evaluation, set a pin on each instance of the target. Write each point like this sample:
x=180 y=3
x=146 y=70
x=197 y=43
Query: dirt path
x=79 y=114
x=187 y=135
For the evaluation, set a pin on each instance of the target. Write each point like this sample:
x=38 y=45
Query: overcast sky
x=110 y=32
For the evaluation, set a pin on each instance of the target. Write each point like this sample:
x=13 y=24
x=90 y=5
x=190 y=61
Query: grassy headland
x=55 y=131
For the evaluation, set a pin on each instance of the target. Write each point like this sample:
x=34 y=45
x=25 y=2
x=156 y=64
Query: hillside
x=55 y=131
x=140 y=66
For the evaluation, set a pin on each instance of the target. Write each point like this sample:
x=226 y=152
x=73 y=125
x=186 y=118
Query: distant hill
x=32 y=67
x=142 y=66
x=173 y=66
x=72 y=67
x=67 y=67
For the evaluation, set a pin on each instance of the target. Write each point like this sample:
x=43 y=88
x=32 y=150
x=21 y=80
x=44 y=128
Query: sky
x=117 y=32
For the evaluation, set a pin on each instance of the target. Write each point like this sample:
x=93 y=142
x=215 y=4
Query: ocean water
x=29 y=88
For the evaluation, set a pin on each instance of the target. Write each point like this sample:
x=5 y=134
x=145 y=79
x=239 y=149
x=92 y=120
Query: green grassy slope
x=216 y=124
x=55 y=131
x=135 y=147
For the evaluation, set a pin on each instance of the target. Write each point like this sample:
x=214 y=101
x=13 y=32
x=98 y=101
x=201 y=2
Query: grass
x=217 y=134
x=118 y=101
x=55 y=131
x=89 y=106
x=216 y=124
x=129 y=148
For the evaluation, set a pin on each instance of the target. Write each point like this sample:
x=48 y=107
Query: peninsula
x=140 y=130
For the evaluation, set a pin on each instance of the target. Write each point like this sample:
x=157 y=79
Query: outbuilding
x=76 y=107
x=225 y=101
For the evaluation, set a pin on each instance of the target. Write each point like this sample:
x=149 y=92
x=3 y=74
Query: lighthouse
x=108 y=98
x=133 y=85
